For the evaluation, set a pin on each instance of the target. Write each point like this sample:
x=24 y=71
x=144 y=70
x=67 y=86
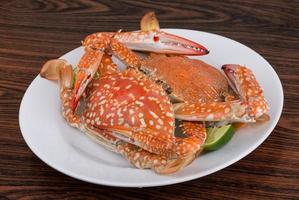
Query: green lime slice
x=218 y=136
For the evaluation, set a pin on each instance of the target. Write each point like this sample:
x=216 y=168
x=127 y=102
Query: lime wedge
x=218 y=136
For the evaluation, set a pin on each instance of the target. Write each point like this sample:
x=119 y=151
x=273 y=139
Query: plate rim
x=175 y=180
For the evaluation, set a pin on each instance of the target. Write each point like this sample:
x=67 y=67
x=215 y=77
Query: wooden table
x=32 y=32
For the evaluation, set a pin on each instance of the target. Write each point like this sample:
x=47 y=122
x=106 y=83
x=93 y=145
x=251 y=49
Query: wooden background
x=32 y=32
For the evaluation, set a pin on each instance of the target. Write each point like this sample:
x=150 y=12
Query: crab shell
x=137 y=111
x=190 y=80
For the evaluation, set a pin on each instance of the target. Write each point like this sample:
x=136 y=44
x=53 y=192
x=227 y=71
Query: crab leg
x=107 y=66
x=194 y=129
x=248 y=108
x=88 y=65
x=124 y=54
x=146 y=160
x=196 y=132
x=186 y=148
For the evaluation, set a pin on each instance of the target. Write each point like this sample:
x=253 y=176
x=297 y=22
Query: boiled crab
x=125 y=111
x=202 y=90
x=151 y=143
x=129 y=114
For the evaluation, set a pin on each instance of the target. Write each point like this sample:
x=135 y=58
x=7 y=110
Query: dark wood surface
x=32 y=32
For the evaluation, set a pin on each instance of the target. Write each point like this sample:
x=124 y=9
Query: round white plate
x=73 y=153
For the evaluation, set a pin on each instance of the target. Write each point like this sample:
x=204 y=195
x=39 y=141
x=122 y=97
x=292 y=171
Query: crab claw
x=82 y=79
x=169 y=43
x=160 y=42
x=243 y=81
x=87 y=67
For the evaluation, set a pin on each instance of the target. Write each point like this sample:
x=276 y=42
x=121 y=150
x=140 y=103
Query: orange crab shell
x=191 y=80
x=134 y=108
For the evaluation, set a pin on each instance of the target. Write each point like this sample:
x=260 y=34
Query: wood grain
x=31 y=32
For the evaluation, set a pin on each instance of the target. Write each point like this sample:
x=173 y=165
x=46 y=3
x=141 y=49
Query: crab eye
x=88 y=77
x=156 y=38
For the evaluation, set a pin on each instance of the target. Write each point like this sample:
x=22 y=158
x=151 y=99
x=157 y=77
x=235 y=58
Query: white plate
x=71 y=152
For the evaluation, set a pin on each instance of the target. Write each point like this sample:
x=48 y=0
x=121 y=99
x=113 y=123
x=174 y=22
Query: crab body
x=133 y=107
x=190 y=80
x=130 y=114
